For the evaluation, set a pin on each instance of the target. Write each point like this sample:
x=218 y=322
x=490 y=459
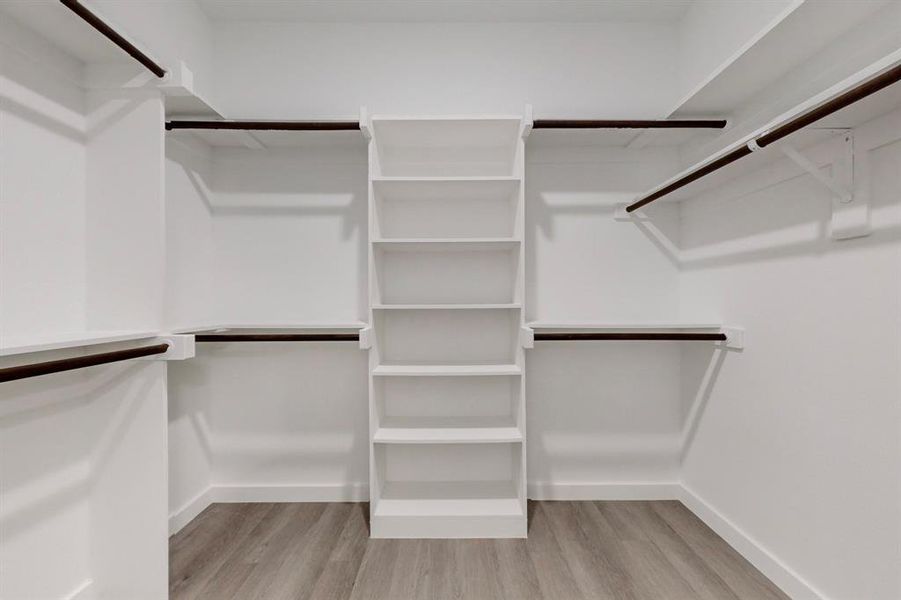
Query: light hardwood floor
x=575 y=551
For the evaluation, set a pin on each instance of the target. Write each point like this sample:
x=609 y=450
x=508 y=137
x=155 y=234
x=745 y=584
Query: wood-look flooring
x=575 y=551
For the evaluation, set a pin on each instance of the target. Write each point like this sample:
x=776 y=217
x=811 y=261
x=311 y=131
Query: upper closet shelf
x=350 y=326
x=189 y=105
x=21 y=344
x=267 y=139
x=862 y=97
x=793 y=36
x=65 y=25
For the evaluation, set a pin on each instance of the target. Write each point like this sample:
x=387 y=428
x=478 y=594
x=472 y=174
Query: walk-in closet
x=450 y=299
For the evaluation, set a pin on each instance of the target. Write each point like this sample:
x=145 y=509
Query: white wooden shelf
x=456 y=509
x=449 y=498
x=510 y=306
x=446 y=231
x=446 y=370
x=384 y=181
x=276 y=327
x=661 y=326
x=446 y=244
x=447 y=430
x=13 y=345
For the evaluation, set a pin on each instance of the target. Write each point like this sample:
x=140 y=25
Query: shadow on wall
x=306 y=205
x=582 y=264
x=777 y=212
x=57 y=435
x=281 y=413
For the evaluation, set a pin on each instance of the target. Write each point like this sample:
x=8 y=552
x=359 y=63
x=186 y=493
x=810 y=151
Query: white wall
x=189 y=304
x=288 y=421
x=272 y=236
x=189 y=234
x=599 y=415
x=42 y=220
x=297 y=70
x=82 y=454
x=798 y=442
x=289 y=231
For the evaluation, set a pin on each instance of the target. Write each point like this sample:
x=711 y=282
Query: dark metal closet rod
x=265 y=125
x=631 y=337
x=841 y=101
x=350 y=125
x=114 y=36
x=277 y=337
x=628 y=124
x=78 y=362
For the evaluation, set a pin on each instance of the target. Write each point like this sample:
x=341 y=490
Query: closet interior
x=461 y=273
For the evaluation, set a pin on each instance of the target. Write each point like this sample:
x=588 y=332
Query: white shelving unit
x=446 y=396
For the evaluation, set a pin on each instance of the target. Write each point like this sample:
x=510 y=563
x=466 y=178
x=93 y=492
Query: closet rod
x=632 y=337
x=537 y=124
x=859 y=92
x=628 y=124
x=114 y=36
x=78 y=362
x=265 y=125
x=276 y=337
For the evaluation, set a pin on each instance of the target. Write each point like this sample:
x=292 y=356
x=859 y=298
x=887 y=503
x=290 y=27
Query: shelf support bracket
x=527 y=337
x=181 y=347
x=735 y=338
x=527 y=121
x=366 y=338
x=365 y=123
x=850 y=211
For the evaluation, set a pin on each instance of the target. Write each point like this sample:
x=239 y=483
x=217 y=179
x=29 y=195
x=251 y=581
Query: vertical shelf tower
x=446 y=392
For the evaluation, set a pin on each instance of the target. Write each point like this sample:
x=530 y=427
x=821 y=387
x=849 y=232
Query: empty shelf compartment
x=410 y=370
x=446 y=147
x=445 y=430
x=449 y=498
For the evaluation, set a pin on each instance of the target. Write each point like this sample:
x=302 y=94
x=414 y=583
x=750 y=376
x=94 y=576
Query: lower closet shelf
x=455 y=509
x=460 y=430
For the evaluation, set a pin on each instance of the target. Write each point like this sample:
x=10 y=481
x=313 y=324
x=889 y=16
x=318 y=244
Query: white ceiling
x=445 y=10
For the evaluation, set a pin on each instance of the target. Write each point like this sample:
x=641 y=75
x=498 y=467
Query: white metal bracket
x=527 y=337
x=850 y=211
x=181 y=347
x=527 y=121
x=366 y=336
x=735 y=338
x=365 y=124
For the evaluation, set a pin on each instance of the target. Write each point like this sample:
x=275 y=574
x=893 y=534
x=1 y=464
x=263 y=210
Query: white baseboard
x=349 y=492
x=189 y=511
x=542 y=490
x=778 y=572
x=85 y=591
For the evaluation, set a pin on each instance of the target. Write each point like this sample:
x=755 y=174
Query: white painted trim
x=187 y=513
x=341 y=492
x=85 y=591
x=778 y=572
x=544 y=490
